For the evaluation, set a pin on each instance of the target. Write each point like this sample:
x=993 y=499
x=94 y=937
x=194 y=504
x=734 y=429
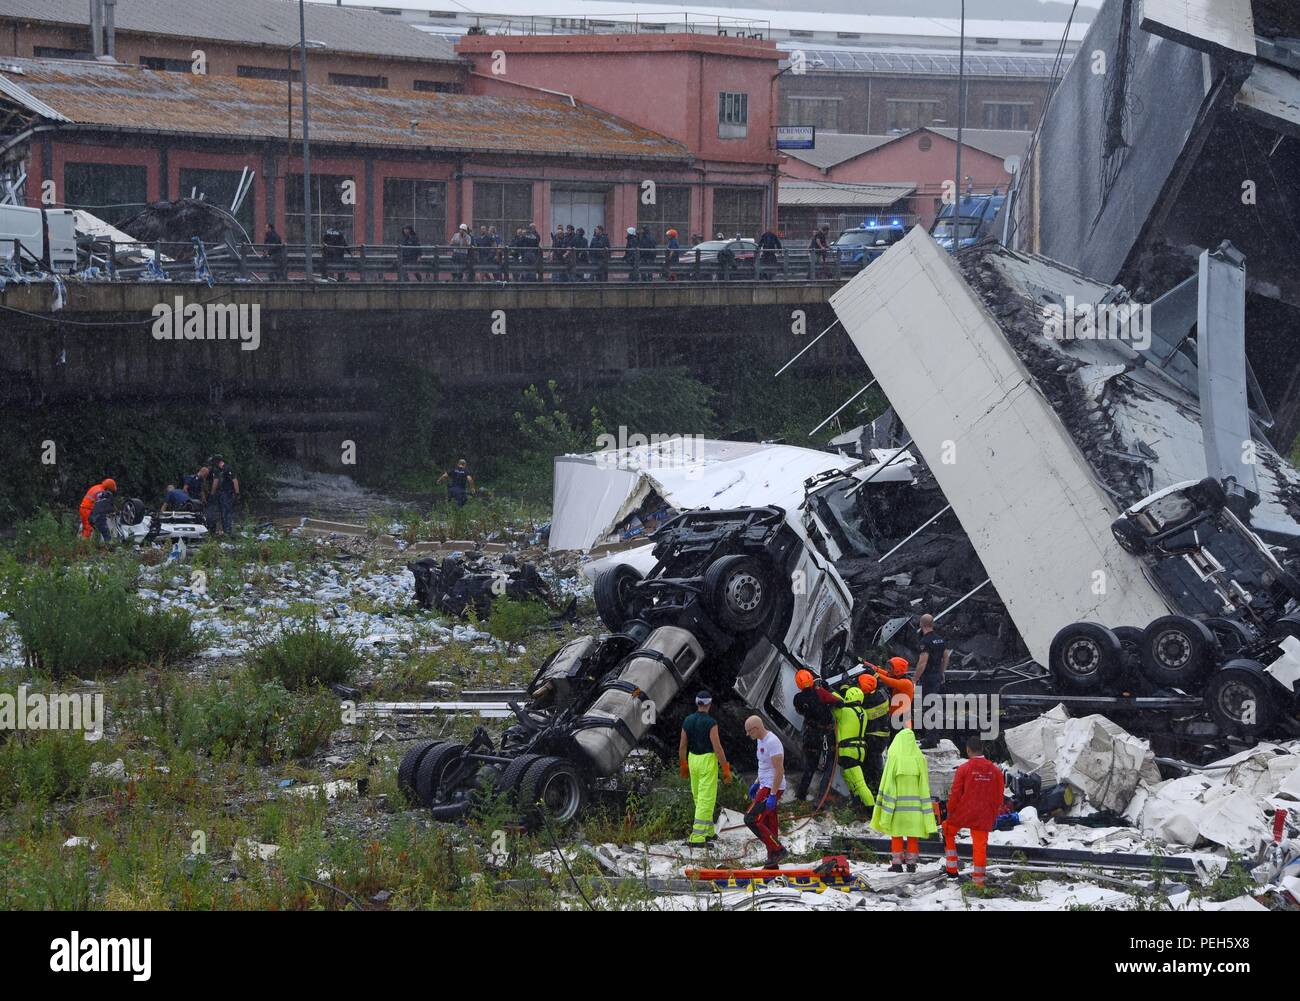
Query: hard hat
x=110 y=485
x=867 y=682
x=899 y=666
x=803 y=678
x=463 y=226
x=671 y=232
x=631 y=231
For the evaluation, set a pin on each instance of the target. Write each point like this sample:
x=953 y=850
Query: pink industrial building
x=924 y=159
x=716 y=96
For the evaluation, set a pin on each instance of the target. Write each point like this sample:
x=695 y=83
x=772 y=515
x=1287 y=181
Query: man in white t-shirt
x=760 y=818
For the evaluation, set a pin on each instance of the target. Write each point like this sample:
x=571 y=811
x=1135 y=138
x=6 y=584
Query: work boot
x=774 y=858
x=911 y=867
x=896 y=867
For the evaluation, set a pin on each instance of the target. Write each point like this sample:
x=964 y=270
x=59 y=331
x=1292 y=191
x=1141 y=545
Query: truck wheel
x=613 y=593
x=1287 y=625
x=428 y=777
x=1129 y=536
x=1232 y=636
x=1130 y=641
x=514 y=774
x=1085 y=657
x=553 y=786
x=1239 y=699
x=738 y=592
x=411 y=764
x=1178 y=651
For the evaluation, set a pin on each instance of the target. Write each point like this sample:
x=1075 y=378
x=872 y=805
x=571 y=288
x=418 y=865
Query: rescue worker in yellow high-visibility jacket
x=700 y=755
x=903 y=809
x=851 y=739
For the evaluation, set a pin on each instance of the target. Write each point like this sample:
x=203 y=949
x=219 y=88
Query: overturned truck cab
x=734 y=599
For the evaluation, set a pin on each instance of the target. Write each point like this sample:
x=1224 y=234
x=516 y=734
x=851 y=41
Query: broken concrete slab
x=1095 y=756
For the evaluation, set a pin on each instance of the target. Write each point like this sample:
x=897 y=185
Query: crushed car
x=457 y=585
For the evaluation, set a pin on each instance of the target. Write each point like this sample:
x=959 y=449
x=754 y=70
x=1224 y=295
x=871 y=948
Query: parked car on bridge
x=743 y=250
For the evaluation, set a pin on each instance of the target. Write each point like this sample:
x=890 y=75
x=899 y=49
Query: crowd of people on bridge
x=569 y=254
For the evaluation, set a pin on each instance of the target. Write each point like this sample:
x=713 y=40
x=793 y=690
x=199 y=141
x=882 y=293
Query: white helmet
x=631 y=231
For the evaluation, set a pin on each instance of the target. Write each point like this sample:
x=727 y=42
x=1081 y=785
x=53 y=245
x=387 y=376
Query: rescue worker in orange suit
x=894 y=677
x=88 y=503
x=974 y=802
x=815 y=703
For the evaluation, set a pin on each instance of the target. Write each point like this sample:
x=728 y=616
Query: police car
x=869 y=240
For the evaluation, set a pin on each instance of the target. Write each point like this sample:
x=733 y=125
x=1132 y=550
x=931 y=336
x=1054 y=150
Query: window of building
x=738 y=210
x=109 y=190
x=411 y=202
x=505 y=206
x=904 y=114
x=925 y=143
x=986 y=41
x=359 y=80
x=823 y=112
x=165 y=65
x=220 y=187
x=52 y=52
x=801 y=34
x=671 y=210
x=327 y=204
x=847 y=34
x=733 y=115
x=280 y=73
x=439 y=87
x=1007 y=114
x=1031 y=41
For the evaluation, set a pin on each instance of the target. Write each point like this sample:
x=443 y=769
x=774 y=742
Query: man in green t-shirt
x=700 y=755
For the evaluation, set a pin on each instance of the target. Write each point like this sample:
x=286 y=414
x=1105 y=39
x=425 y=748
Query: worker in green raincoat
x=903 y=808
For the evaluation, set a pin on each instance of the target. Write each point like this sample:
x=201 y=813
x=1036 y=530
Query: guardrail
x=137 y=261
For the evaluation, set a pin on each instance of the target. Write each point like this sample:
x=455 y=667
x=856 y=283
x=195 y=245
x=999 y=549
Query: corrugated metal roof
x=129 y=98
x=15 y=92
x=794 y=194
x=836 y=147
x=253 y=22
x=925 y=62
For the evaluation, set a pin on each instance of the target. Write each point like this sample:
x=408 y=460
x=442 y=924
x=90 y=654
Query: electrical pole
x=306 y=149
x=961 y=121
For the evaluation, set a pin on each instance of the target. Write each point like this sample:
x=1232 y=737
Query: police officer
x=814 y=703
x=224 y=491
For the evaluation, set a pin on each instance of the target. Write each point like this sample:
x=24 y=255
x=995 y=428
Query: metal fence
x=160 y=260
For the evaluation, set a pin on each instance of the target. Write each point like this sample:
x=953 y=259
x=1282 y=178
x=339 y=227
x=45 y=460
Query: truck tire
x=514 y=774
x=553 y=787
x=738 y=592
x=1129 y=536
x=1232 y=636
x=1085 y=658
x=428 y=777
x=613 y=593
x=1240 y=699
x=1179 y=652
x=411 y=764
x=1287 y=625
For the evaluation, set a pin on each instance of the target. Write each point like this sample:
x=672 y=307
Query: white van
x=48 y=236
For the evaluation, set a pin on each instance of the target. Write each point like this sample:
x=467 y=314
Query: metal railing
x=428 y=264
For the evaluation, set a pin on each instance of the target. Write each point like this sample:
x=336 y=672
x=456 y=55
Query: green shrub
x=511 y=619
x=304 y=654
x=70 y=622
x=43 y=766
x=245 y=716
x=47 y=537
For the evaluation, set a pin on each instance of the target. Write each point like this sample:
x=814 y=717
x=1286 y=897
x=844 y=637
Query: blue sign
x=796 y=137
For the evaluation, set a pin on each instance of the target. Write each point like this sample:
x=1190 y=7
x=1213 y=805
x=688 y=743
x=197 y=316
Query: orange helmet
x=898 y=665
x=110 y=485
x=867 y=682
x=803 y=678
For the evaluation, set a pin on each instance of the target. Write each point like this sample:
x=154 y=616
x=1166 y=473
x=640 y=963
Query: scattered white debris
x=248 y=848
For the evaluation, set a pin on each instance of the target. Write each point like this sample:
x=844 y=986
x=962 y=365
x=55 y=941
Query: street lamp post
x=961 y=121
x=306 y=147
